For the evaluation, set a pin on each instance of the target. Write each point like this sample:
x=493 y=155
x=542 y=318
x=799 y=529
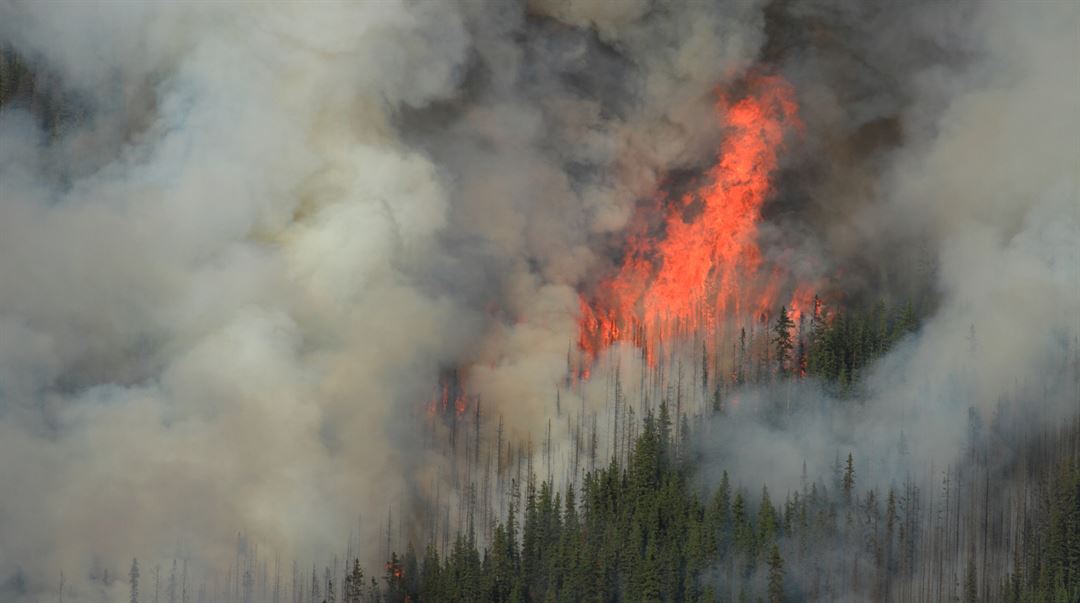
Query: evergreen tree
x=133 y=580
x=430 y=580
x=776 y=575
x=782 y=340
x=393 y=577
x=374 y=594
x=767 y=521
x=744 y=540
x=353 y=588
x=848 y=483
x=635 y=531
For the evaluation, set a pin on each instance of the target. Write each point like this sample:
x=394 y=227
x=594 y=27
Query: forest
x=999 y=523
x=539 y=301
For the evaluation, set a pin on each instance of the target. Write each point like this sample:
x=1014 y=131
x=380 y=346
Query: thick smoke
x=236 y=267
x=232 y=276
x=209 y=317
x=971 y=198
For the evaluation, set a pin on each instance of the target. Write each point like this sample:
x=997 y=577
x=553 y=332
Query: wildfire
x=705 y=265
x=449 y=396
x=394 y=570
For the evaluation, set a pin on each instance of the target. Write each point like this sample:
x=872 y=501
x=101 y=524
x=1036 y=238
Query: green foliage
x=840 y=346
x=640 y=529
x=1050 y=569
x=643 y=533
x=636 y=533
x=782 y=339
x=776 y=575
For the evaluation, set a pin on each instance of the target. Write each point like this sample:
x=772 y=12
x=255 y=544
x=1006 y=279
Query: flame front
x=705 y=265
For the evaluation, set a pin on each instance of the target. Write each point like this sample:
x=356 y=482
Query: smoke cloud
x=970 y=197
x=231 y=277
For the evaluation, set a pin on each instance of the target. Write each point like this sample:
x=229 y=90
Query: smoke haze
x=232 y=276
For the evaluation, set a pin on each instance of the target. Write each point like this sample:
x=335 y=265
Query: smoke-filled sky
x=231 y=277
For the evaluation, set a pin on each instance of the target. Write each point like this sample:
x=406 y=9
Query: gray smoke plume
x=235 y=265
x=208 y=322
x=238 y=255
x=966 y=194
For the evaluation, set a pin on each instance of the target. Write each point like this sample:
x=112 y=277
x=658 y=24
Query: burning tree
x=705 y=267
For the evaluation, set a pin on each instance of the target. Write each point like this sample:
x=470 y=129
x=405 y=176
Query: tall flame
x=701 y=268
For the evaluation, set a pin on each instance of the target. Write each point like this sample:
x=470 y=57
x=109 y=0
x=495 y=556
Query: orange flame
x=700 y=269
x=394 y=570
x=449 y=396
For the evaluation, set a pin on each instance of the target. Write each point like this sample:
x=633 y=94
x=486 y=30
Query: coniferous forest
x=539 y=301
x=1000 y=523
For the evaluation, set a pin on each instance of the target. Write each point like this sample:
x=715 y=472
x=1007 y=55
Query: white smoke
x=233 y=274
x=207 y=323
x=987 y=177
x=229 y=282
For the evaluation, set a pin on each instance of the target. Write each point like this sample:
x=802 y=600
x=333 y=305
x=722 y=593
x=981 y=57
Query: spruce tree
x=767 y=522
x=133 y=577
x=782 y=340
x=776 y=575
x=849 y=479
x=353 y=589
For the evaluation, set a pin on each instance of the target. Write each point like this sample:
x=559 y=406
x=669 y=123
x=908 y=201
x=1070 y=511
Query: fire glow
x=449 y=396
x=706 y=265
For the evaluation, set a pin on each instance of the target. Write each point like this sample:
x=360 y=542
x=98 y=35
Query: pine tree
x=782 y=340
x=374 y=595
x=849 y=479
x=837 y=472
x=635 y=531
x=395 y=590
x=745 y=542
x=650 y=579
x=720 y=516
x=767 y=522
x=776 y=575
x=431 y=577
x=353 y=589
x=133 y=577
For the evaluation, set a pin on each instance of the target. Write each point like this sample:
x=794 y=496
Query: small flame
x=449 y=395
x=394 y=570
